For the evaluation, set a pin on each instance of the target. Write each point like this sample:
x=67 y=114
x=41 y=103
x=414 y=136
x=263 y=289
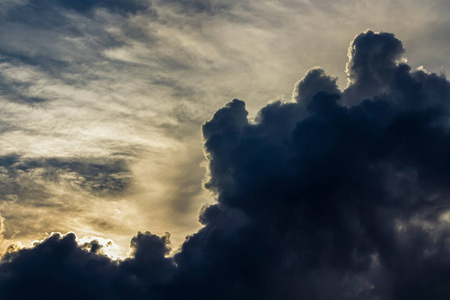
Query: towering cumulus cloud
x=336 y=195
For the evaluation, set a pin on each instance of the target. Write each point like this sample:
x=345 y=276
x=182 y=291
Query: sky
x=127 y=160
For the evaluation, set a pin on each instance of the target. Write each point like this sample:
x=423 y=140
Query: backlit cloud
x=339 y=193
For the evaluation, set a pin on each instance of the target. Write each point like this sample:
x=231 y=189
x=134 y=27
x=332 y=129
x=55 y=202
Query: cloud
x=315 y=81
x=73 y=272
x=354 y=188
x=210 y=7
x=51 y=194
x=337 y=194
x=134 y=80
x=77 y=120
x=97 y=178
x=84 y=6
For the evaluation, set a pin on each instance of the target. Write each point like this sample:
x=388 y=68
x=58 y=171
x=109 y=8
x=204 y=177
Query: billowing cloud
x=75 y=272
x=338 y=194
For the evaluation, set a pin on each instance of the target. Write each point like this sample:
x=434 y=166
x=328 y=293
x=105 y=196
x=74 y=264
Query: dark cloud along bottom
x=338 y=195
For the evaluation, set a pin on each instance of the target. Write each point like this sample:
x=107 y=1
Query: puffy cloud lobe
x=339 y=195
x=316 y=80
x=373 y=57
x=148 y=253
x=59 y=268
x=373 y=61
x=56 y=268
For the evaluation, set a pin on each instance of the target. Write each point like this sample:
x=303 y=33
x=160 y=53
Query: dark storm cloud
x=338 y=195
x=74 y=272
x=348 y=189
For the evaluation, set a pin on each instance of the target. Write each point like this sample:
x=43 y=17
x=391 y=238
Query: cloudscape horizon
x=130 y=169
x=335 y=194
